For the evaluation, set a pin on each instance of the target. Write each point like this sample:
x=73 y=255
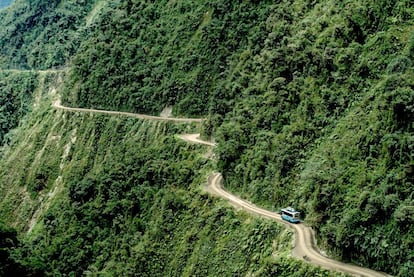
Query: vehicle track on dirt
x=305 y=247
x=57 y=105
x=46 y=71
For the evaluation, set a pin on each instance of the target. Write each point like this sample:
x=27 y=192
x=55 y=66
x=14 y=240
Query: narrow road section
x=304 y=240
x=195 y=138
x=46 y=71
x=305 y=247
x=58 y=105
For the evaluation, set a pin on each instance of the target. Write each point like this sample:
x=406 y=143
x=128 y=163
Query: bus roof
x=290 y=210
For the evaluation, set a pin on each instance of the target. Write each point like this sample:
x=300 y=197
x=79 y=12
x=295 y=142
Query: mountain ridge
x=310 y=103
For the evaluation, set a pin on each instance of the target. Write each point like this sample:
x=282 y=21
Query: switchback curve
x=305 y=247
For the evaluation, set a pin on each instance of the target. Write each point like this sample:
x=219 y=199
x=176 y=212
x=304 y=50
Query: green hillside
x=105 y=195
x=311 y=104
x=42 y=34
x=16 y=95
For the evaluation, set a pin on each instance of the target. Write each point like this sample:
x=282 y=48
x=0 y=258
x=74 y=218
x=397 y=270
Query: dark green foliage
x=288 y=268
x=325 y=115
x=8 y=240
x=142 y=56
x=10 y=265
x=131 y=204
x=311 y=103
x=16 y=90
x=41 y=34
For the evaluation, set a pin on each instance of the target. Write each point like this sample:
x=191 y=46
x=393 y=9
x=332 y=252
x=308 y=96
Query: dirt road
x=46 y=71
x=195 y=138
x=305 y=247
x=304 y=240
x=57 y=105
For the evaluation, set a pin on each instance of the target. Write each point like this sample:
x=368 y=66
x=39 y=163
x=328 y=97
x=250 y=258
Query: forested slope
x=112 y=195
x=42 y=34
x=311 y=104
x=16 y=96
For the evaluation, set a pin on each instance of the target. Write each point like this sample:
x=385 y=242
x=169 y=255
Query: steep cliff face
x=105 y=194
x=311 y=104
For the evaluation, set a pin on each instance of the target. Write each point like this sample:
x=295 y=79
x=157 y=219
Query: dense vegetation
x=119 y=196
x=311 y=103
x=145 y=55
x=16 y=91
x=42 y=34
x=327 y=126
x=11 y=265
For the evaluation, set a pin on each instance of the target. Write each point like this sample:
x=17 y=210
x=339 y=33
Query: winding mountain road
x=305 y=247
x=57 y=105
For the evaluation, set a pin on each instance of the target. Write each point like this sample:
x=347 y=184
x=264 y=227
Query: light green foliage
x=122 y=197
x=311 y=103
